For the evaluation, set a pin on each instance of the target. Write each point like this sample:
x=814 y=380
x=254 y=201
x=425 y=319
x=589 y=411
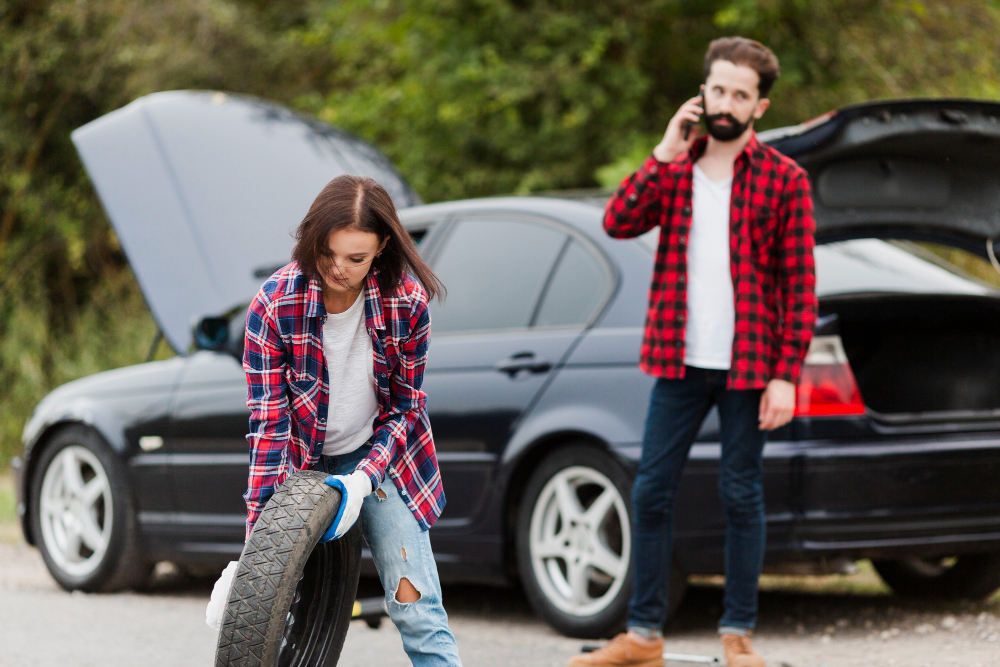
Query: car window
x=494 y=270
x=577 y=288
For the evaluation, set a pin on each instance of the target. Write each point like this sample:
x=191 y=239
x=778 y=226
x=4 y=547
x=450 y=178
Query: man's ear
x=762 y=106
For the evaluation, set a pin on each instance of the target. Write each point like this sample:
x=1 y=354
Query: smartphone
x=687 y=124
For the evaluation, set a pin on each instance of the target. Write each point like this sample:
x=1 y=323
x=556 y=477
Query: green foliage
x=467 y=97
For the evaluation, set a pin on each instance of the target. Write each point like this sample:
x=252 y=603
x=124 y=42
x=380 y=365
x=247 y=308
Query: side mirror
x=211 y=333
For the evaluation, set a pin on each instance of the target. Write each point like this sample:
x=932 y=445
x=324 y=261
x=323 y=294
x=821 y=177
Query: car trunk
x=923 y=358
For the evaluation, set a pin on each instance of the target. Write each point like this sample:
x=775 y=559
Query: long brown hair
x=360 y=203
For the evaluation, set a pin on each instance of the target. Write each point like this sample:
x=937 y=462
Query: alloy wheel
x=76 y=511
x=580 y=541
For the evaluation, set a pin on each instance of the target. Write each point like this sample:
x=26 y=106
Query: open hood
x=924 y=169
x=205 y=190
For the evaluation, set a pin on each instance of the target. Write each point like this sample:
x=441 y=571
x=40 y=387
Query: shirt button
x=686 y=210
x=322 y=421
x=653 y=169
x=681 y=240
x=680 y=279
x=632 y=197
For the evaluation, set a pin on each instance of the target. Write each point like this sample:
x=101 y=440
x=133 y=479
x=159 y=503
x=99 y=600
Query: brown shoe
x=739 y=652
x=626 y=650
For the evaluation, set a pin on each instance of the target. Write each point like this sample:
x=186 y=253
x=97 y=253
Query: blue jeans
x=677 y=408
x=402 y=549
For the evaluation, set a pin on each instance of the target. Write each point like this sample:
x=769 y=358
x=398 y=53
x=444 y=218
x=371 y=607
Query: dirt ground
x=805 y=622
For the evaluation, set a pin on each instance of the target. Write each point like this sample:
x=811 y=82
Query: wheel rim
x=76 y=510
x=579 y=541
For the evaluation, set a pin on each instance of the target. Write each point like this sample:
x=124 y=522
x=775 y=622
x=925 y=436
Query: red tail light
x=827 y=387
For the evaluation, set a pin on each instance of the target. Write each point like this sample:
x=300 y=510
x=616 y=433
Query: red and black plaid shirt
x=288 y=389
x=771 y=230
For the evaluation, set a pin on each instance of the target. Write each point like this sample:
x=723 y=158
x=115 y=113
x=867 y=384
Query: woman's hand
x=353 y=490
x=220 y=595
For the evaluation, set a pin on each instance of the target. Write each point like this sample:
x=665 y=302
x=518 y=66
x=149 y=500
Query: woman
x=336 y=344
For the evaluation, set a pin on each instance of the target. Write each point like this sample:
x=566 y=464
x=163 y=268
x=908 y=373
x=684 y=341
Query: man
x=731 y=313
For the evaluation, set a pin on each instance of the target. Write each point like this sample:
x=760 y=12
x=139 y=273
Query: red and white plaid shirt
x=288 y=389
x=771 y=240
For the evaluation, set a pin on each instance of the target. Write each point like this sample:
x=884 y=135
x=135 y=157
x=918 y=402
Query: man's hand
x=673 y=142
x=777 y=405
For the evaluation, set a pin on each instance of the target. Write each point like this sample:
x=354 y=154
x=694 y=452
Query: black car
x=534 y=393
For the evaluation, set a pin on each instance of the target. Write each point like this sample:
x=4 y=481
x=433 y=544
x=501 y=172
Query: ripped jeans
x=401 y=549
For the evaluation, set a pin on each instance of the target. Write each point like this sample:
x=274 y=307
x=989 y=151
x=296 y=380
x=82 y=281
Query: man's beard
x=729 y=132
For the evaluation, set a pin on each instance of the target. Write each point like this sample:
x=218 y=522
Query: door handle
x=523 y=361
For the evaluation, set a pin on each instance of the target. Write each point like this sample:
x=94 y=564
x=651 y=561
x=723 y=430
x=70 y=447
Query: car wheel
x=574 y=543
x=291 y=600
x=969 y=577
x=82 y=515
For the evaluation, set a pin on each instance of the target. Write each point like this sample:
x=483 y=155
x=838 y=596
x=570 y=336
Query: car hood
x=925 y=169
x=205 y=190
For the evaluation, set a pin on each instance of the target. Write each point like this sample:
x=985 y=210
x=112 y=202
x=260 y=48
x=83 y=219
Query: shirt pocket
x=763 y=224
x=303 y=393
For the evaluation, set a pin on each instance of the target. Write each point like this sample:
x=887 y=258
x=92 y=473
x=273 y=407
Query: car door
x=493 y=349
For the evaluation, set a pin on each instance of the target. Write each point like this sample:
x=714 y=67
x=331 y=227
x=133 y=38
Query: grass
x=10 y=531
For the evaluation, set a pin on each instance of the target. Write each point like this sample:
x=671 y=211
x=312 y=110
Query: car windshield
x=894 y=266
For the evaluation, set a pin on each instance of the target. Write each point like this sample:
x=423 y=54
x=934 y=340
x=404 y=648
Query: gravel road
x=44 y=626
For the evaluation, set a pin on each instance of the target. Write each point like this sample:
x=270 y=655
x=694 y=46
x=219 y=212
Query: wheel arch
x=524 y=465
x=36 y=447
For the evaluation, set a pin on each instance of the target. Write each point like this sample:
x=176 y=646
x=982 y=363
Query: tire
x=968 y=577
x=83 y=515
x=292 y=598
x=555 y=547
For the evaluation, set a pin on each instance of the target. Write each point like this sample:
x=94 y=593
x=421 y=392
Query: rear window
x=874 y=265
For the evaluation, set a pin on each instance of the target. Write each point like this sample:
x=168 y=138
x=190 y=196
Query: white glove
x=353 y=489
x=220 y=596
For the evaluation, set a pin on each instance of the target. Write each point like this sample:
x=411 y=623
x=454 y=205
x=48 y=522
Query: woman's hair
x=358 y=202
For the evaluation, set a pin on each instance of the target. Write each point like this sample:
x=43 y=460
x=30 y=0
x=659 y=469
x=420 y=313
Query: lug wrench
x=673 y=657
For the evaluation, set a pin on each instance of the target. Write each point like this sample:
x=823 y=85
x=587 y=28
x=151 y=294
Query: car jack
x=673 y=657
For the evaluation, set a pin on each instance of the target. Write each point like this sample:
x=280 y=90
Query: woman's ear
x=382 y=245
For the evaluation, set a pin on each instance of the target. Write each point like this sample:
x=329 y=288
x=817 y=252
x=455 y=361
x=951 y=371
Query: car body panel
x=920 y=168
x=179 y=172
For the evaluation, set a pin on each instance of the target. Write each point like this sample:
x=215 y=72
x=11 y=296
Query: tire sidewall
x=120 y=500
x=612 y=618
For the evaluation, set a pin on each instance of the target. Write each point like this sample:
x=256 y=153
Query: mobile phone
x=687 y=124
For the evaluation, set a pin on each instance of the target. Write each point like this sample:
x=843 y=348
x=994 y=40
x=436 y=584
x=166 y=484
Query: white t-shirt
x=350 y=366
x=711 y=310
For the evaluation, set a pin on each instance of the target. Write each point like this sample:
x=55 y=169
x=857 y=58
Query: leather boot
x=739 y=652
x=626 y=650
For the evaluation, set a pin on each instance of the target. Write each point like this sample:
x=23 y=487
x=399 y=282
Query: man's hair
x=747 y=52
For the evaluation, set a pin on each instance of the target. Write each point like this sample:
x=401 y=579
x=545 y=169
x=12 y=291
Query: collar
x=753 y=151
x=374 y=319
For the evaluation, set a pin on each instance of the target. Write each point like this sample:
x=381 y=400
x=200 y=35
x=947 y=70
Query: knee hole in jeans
x=406 y=592
x=380 y=493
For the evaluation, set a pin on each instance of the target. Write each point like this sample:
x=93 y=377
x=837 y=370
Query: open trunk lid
x=922 y=169
x=205 y=189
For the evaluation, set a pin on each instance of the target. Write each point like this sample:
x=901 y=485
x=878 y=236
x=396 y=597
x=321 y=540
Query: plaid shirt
x=771 y=260
x=288 y=389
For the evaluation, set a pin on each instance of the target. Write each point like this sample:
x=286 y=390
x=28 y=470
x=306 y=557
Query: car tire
x=557 y=543
x=291 y=600
x=968 y=577
x=83 y=516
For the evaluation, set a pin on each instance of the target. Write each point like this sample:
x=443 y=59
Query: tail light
x=827 y=387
